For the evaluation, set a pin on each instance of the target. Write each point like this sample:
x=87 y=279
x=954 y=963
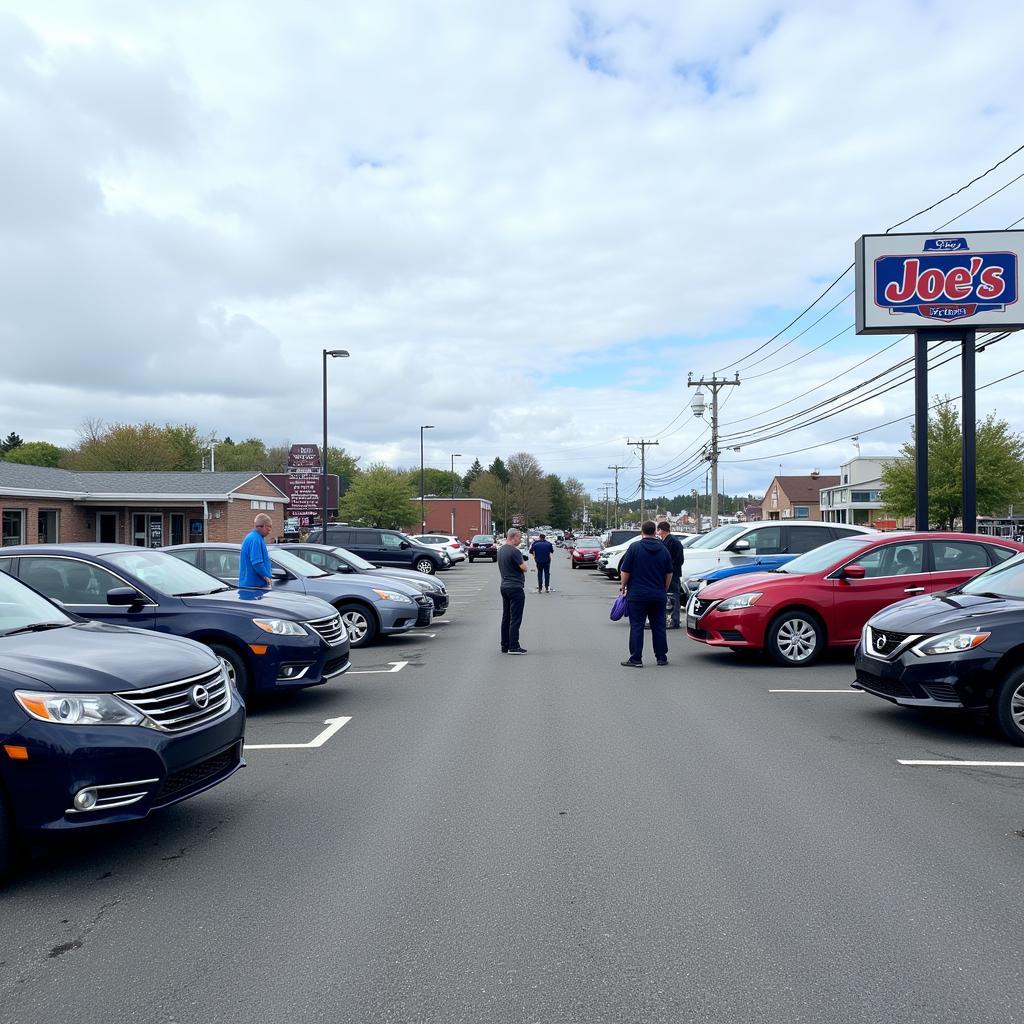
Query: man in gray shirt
x=512 y=567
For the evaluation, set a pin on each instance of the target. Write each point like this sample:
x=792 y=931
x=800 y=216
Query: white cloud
x=196 y=198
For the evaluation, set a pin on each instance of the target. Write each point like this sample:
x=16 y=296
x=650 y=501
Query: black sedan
x=339 y=560
x=266 y=640
x=962 y=649
x=101 y=724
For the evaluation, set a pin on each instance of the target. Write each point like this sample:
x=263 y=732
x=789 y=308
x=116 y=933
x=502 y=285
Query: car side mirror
x=124 y=596
x=405 y=544
x=741 y=545
x=854 y=572
x=280 y=574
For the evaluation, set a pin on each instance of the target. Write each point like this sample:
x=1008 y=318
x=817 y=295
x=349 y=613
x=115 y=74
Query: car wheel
x=494 y=558
x=425 y=565
x=795 y=639
x=11 y=850
x=235 y=669
x=360 y=623
x=1009 y=707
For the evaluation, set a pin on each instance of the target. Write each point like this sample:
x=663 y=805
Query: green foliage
x=10 y=442
x=436 y=481
x=498 y=469
x=125 y=447
x=474 y=471
x=380 y=496
x=529 y=495
x=36 y=453
x=559 y=510
x=1000 y=470
x=345 y=465
x=187 y=444
x=489 y=487
x=246 y=456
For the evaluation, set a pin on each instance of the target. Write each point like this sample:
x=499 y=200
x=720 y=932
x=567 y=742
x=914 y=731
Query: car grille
x=329 y=628
x=885 y=687
x=195 y=776
x=943 y=692
x=887 y=643
x=701 y=608
x=185 y=703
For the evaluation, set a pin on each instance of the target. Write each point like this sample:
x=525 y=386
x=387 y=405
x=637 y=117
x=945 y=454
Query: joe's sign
x=907 y=282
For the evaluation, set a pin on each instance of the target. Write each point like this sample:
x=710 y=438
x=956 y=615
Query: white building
x=857 y=498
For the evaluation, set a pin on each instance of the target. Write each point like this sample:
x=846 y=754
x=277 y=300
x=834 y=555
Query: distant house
x=795 y=497
x=40 y=505
x=856 y=495
x=751 y=511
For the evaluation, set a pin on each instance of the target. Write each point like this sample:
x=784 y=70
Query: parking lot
x=448 y=834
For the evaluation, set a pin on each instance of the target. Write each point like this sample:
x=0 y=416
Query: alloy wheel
x=797 y=640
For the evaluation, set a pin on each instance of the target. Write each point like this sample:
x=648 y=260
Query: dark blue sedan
x=102 y=724
x=267 y=641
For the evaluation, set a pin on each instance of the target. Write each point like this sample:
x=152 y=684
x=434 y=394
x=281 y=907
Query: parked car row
x=164 y=646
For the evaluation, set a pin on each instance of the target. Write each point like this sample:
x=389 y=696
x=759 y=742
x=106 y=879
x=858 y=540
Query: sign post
x=915 y=282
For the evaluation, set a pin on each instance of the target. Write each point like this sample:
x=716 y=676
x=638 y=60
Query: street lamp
x=334 y=353
x=423 y=513
x=455 y=455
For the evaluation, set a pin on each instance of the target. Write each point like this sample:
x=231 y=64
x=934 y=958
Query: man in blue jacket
x=254 y=568
x=542 y=550
x=646 y=574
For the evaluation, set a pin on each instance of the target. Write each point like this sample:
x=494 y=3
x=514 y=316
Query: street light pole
x=423 y=513
x=334 y=353
x=455 y=455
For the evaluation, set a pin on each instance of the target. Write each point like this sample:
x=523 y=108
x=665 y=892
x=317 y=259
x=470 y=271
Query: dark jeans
x=640 y=611
x=513 y=600
x=543 y=575
x=675 y=588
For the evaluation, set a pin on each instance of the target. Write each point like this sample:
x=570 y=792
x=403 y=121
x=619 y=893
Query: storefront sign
x=305 y=480
x=913 y=282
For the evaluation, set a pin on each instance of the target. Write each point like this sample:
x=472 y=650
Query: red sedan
x=585 y=552
x=823 y=598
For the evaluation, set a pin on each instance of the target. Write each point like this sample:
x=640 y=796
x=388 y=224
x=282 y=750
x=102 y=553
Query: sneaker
x=517 y=650
x=547 y=590
x=663 y=661
x=631 y=664
x=504 y=650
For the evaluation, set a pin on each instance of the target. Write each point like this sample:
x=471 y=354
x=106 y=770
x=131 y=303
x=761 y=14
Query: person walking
x=542 y=550
x=254 y=569
x=512 y=568
x=646 y=574
x=675 y=550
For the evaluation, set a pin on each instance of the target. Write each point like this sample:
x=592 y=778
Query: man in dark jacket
x=646 y=573
x=542 y=550
x=675 y=550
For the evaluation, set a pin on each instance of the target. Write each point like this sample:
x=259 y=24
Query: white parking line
x=415 y=634
x=816 y=691
x=962 y=764
x=396 y=666
x=333 y=725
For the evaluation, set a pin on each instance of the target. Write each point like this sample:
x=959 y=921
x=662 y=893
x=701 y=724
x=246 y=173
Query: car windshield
x=483 y=538
x=354 y=560
x=296 y=565
x=588 y=542
x=21 y=608
x=717 y=537
x=1005 y=579
x=826 y=556
x=165 y=573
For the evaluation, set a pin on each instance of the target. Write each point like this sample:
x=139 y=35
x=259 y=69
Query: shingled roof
x=15 y=478
x=803 y=489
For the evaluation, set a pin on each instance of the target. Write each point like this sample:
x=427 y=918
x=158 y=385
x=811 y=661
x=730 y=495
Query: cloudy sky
x=527 y=222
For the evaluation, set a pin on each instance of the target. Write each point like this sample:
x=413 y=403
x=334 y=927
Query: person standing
x=646 y=574
x=512 y=568
x=254 y=569
x=542 y=550
x=675 y=550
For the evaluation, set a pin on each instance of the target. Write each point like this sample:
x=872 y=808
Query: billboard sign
x=305 y=483
x=914 y=282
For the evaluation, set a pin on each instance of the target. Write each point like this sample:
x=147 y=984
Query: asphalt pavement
x=550 y=838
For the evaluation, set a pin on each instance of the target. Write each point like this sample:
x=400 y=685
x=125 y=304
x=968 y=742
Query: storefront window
x=49 y=519
x=13 y=526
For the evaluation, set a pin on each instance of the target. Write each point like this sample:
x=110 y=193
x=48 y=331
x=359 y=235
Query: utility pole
x=643 y=446
x=616 y=469
x=606 y=487
x=697 y=405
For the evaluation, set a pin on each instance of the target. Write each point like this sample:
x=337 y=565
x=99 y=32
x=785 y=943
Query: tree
x=435 y=481
x=124 y=447
x=185 y=440
x=36 y=453
x=246 y=456
x=498 y=468
x=1000 y=470
x=527 y=486
x=474 y=471
x=559 y=511
x=10 y=442
x=576 y=495
x=489 y=487
x=345 y=465
x=382 y=497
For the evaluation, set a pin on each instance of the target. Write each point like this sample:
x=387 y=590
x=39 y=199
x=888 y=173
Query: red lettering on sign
x=906 y=290
x=930 y=284
x=992 y=284
x=958 y=283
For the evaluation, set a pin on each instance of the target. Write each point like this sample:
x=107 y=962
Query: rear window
x=483 y=538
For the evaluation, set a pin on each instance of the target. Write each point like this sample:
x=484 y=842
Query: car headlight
x=279 y=627
x=950 y=643
x=393 y=595
x=731 y=604
x=79 y=708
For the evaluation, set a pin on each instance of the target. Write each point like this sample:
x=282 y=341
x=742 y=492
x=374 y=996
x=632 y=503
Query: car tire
x=236 y=668
x=494 y=558
x=795 y=639
x=1009 y=707
x=12 y=852
x=360 y=623
x=425 y=565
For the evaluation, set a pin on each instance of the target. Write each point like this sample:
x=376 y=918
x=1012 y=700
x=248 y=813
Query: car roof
x=93 y=548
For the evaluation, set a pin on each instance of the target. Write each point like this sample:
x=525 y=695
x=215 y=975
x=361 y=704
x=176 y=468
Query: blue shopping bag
x=618 y=608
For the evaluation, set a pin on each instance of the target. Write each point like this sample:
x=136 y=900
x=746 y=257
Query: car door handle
x=914 y=590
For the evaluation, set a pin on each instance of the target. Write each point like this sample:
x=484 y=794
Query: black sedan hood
x=940 y=613
x=92 y=657
x=252 y=601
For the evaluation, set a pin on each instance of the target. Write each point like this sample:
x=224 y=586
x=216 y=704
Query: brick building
x=40 y=505
x=462 y=517
x=795 y=497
